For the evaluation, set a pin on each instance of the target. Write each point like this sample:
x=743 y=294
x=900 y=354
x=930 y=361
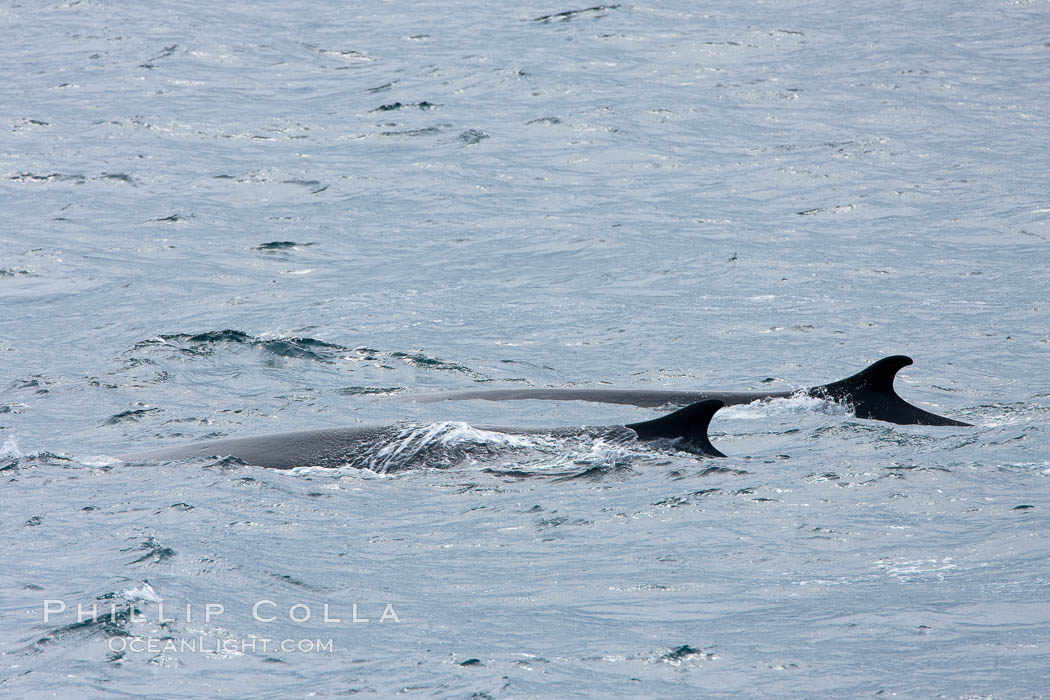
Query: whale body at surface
x=869 y=393
x=686 y=429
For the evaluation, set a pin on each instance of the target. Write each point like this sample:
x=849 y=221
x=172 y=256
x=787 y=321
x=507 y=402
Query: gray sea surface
x=224 y=219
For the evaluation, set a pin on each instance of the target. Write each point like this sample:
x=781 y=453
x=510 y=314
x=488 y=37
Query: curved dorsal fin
x=870 y=392
x=687 y=425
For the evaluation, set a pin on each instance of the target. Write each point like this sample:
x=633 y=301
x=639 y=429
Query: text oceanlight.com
x=205 y=645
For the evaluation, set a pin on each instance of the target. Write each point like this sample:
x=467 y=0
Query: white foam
x=10 y=449
x=99 y=460
x=144 y=592
x=798 y=403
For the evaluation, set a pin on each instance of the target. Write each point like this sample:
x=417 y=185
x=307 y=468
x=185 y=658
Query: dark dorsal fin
x=688 y=425
x=870 y=393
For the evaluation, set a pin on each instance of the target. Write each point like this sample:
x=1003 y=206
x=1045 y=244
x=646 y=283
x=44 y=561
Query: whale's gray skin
x=869 y=393
x=334 y=447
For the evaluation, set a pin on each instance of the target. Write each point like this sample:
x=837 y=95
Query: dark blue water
x=232 y=219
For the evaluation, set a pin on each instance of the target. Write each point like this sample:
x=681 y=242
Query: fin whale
x=686 y=428
x=869 y=393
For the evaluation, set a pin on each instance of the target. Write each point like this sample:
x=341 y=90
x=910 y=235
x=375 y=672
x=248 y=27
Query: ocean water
x=222 y=219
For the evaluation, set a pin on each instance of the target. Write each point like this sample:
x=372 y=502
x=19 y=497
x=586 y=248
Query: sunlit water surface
x=235 y=218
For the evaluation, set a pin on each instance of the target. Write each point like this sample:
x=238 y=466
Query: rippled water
x=226 y=219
